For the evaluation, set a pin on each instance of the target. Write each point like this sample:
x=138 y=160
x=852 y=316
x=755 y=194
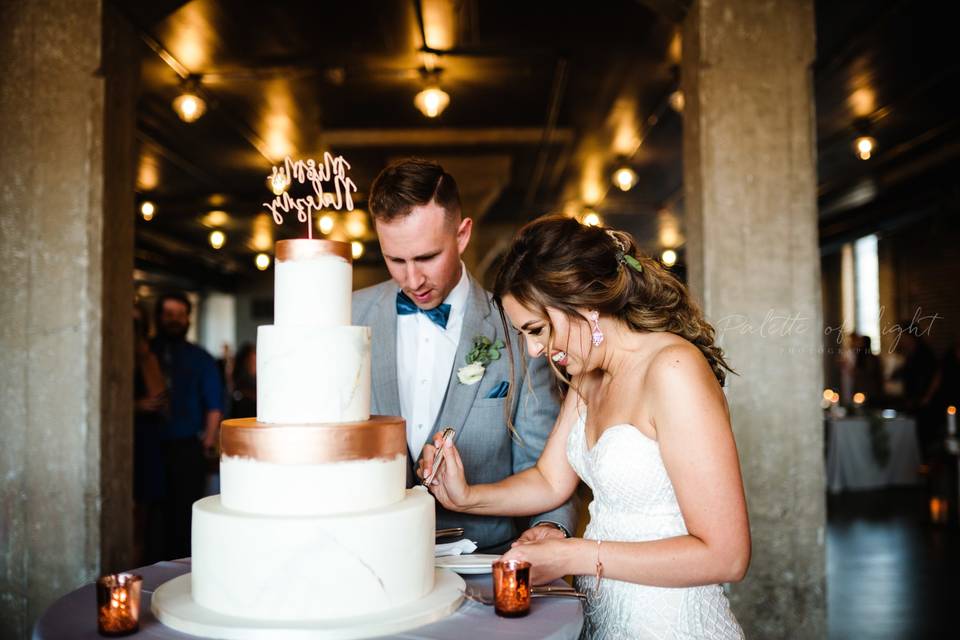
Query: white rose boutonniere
x=484 y=352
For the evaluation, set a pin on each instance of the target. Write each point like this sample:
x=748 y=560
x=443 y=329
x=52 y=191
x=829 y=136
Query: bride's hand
x=449 y=486
x=547 y=558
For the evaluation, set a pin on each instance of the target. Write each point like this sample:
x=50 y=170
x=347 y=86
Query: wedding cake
x=314 y=528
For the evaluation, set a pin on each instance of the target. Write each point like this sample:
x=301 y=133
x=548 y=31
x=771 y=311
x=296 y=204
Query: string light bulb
x=625 y=178
x=147 y=209
x=356 y=249
x=432 y=101
x=865 y=146
x=189 y=106
x=262 y=261
x=669 y=257
x=217 y=239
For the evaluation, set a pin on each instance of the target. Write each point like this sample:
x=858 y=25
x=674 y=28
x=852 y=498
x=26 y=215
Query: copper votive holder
x=118 y=604
x=511 y=588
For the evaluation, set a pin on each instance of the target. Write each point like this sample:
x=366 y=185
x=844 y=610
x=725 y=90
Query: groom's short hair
x=409 y=183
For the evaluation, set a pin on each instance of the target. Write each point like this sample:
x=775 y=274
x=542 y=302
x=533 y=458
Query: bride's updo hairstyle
x=557 y=262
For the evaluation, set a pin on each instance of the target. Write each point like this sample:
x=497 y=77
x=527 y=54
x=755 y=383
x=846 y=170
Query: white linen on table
x=850 y=461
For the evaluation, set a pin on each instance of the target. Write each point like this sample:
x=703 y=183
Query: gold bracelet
x=599 y=567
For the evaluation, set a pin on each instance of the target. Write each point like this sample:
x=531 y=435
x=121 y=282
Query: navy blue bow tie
x=438 y=315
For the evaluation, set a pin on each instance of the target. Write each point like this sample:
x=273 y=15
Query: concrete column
x=750 y=184
x=66 y=259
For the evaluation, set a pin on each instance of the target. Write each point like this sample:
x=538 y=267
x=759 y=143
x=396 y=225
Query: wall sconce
x=189 y=106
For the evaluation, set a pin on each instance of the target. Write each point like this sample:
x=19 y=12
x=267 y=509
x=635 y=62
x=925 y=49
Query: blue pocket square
x=499 y=391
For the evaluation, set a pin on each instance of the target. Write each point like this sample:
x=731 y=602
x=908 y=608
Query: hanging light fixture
x=189 y=106
x=147 y=209
x=217 y=239
x=432 y=100
x=668 y=257
x=677 y=101
x=865 y=146
x=625 y=178
x=356 y=249
x=262 y=261
x=591 y=219
x=326 y=224
x=278 y=182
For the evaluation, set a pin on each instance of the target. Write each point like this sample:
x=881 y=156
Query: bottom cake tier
x=273 y=567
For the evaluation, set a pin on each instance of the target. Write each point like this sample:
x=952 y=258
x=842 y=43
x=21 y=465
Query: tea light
x=511 y=588
x=118 y=604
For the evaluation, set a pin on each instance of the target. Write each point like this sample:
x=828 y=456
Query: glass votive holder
x=511 y=588
x=118 y=604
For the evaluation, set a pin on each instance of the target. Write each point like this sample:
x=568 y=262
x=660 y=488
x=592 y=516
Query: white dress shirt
x=425 y=355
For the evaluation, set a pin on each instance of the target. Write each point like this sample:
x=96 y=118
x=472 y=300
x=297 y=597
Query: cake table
x=74 y=615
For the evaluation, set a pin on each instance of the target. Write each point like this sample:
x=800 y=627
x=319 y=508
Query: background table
x=850 y=460
x=74 y=616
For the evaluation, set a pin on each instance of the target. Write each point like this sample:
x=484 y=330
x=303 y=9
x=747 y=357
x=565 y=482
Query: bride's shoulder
x=678 y=362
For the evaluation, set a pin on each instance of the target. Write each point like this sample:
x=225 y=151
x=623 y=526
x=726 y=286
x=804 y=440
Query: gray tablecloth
x=851 y=464
x=74 y=616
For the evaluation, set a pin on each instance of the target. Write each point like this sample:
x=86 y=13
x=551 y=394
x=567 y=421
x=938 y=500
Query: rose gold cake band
x=380 y=437
x=304 y=249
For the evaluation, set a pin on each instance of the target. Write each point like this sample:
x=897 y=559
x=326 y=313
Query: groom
x=425 y=322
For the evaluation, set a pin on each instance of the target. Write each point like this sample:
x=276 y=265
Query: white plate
x=471 y=563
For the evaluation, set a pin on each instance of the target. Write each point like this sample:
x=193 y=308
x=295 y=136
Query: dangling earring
x=597 y=333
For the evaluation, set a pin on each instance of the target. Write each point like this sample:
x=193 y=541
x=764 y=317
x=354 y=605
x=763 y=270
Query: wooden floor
x=890 y=574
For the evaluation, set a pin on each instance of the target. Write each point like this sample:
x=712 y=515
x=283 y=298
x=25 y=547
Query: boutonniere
x=483 y=352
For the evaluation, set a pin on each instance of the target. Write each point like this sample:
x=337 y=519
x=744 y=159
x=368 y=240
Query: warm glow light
x=836 y=397
x=432 y=101
x=355 y=223
x=356 y=248
x=625 y=178
x=859 y=398
x=669 y=257
x=677 y=101
x=262 y=238
x=326 y=224
x=216 y=219
x=262 y=261
x=189 y=106
x=217 y=239
x=951 y=410
x=591 y=219
x=147 y=209
x=278 y=182
x=865 y=146
x=828 y=394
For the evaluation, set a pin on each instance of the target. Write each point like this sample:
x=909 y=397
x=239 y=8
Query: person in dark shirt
x=917 y=375
x=193 y=420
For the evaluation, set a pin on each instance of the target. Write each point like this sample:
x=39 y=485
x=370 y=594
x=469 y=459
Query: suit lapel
x=459 y=397
x=383 y=377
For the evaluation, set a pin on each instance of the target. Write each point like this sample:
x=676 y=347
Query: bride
x=644 y=423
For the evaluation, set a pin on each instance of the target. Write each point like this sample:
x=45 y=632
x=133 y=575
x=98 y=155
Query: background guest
x=196 y=408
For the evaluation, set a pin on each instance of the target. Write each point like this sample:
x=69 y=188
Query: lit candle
x=118 y=604
x=511 y=588
x=951 y=420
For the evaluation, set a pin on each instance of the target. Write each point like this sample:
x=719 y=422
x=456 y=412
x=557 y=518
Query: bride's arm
x=543 y=487
x=698 y=450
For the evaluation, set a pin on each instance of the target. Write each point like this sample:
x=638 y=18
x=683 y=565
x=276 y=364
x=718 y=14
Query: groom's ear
x=464 y=230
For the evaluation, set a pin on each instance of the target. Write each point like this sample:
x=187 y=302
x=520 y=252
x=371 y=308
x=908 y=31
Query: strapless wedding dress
x=633 y=501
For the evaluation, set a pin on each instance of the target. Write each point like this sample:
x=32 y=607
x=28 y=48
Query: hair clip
x=622 y=256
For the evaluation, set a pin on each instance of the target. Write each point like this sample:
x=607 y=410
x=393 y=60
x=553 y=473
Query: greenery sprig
x=484 y=351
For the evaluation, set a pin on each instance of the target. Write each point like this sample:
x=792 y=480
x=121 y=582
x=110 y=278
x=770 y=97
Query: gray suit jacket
x=488 y=451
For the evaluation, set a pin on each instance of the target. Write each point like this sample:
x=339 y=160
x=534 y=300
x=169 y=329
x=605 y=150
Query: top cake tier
x=313 y=283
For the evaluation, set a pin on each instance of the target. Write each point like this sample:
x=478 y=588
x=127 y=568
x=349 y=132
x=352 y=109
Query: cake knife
x=448 y=436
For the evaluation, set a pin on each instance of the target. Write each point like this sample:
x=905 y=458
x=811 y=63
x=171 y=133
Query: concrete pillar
x=66 y=258
x=750 y=185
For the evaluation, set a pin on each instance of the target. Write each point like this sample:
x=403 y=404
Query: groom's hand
x=538 y=533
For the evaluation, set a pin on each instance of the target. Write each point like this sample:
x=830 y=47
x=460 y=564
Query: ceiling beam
x=445 y=137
